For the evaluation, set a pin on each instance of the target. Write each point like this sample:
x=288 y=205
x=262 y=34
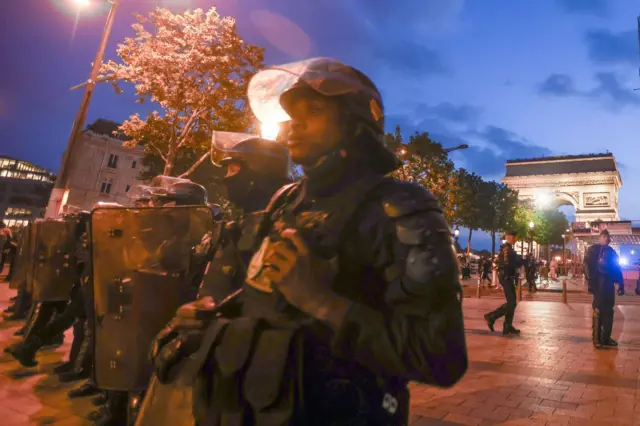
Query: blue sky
x=512 y=78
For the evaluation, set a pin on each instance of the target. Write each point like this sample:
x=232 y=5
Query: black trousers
x=508 y=309
x=604 y=299
x=43 y=313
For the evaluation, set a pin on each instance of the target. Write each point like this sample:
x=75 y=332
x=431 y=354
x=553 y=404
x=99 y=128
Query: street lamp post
x=59 y=193
x=564 y=254
x=531 y=226
x=455 y=148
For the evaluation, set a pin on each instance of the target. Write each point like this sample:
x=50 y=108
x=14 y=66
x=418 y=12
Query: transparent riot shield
x=19 y=276
x=140 y=259
x=54 y=267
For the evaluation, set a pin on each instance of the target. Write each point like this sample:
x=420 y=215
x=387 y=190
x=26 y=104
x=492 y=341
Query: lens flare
x=270 y=130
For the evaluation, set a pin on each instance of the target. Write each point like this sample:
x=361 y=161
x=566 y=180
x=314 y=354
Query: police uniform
x=508 y=263
x=603 y=272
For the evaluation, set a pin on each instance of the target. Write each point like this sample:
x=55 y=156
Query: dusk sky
x=512 y=78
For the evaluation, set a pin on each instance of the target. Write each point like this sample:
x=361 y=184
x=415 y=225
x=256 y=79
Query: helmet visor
x=327 y=76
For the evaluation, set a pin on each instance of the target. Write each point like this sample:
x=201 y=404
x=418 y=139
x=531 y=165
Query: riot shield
x=19 y=277
x=54 y=267
x=29 y=268
x=139 y=260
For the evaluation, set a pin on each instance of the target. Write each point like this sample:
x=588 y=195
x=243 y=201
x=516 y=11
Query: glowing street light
x=270 y=131
x=531 y=225
x=543 y=200
x=82 y=3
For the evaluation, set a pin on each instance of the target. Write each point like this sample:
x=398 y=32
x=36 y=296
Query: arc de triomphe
x=590 y=183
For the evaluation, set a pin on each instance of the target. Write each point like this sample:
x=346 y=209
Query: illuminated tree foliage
x=194 y=68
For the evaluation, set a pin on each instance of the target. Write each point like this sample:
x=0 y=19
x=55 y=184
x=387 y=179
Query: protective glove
x=303 y=279
x=181 y=337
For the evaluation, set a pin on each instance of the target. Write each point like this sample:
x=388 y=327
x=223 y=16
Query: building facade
x=103 y=170
x=24 y=191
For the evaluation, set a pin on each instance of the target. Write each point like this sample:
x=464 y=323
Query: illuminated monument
x=589 y=183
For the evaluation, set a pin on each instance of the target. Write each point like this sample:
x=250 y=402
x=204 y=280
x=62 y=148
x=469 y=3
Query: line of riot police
x=317 y=307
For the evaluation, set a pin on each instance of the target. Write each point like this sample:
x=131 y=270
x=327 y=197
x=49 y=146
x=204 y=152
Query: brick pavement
x=551 y=375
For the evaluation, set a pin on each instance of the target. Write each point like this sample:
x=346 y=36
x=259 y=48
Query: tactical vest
x=261 y=366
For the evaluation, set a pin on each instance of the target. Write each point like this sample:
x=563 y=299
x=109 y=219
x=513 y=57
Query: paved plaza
x=550 y=375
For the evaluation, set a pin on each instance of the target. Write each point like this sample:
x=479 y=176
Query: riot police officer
x=603 y=273
x=54 y=277
x=508 y=263
x=255 y=169
x=354 y=290
x=162 y=191
x=74 y=310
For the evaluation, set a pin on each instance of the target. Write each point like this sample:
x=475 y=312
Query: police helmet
x=272 y=92
x=264 y=157
x=166 y=189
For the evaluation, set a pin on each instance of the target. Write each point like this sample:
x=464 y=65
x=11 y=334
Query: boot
x=595 y=329
x=490 y=321
x=24 y=352
x=63 y=368
x=609 y=343
x=100 y=400
x=98 y=414
x=510 y=330
x=87 y=389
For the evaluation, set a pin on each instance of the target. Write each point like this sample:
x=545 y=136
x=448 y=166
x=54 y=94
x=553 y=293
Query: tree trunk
x=169 y=163
x=469 y=242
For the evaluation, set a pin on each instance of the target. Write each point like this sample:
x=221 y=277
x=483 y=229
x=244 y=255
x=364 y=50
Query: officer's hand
x=180 y=338
x=620 y=289
x=303 y=278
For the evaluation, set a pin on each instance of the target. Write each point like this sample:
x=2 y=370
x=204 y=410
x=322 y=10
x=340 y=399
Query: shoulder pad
x=403 y=198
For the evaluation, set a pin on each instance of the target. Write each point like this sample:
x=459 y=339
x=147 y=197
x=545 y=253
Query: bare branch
x=164 y=157
x=188 y=126
x=196 y=164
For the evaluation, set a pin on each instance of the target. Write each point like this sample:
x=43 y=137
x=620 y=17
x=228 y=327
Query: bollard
x=564 y=291
x=479 y=291
x=519 y=283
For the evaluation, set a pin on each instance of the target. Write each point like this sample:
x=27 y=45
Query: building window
x=133 y=164
x=113 y=161
x=105 y=187
x=127 y=188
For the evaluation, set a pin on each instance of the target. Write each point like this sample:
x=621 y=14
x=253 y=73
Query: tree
x=195 y=68
x=502 y=203
x=472 y=203
x=549 y=227
x=426 y=164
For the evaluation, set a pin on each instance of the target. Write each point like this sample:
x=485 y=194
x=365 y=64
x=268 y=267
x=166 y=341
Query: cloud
x=610 y=91
x=369 y=34
x=558 y=85
x=489 y=146
x=584 y=7
x=463 y=113
x=607 y=47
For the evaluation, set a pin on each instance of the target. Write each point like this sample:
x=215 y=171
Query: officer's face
x=315 y=128
x=511 y=239
x=605 y=240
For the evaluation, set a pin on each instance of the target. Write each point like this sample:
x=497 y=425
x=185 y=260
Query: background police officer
x=508 y=263
x=603 y=273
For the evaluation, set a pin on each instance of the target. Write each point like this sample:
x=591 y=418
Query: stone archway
x=590 y=183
